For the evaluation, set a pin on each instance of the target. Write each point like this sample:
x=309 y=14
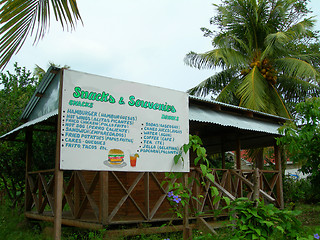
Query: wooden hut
x=94 y=199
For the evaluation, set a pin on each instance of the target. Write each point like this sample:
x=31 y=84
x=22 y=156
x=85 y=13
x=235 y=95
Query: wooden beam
x=104 y=197
x=147 y=194
x=187 y=233
x=205 y=227
x=68 y=222
x=58 y=174
x=28 y=196
x=222 y=189
x=126 y=196
x=256 y=184
x=223 y=154
x=250 y=184
x=58 y=188
x=278 y=167
x=238 y=154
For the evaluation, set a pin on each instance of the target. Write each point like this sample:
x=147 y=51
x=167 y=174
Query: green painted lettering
x=77 y=92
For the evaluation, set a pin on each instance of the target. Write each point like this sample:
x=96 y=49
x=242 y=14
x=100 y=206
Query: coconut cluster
x=265 y=68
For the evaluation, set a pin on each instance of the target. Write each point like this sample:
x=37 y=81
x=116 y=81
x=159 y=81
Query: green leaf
x=215 y=200
x=196 y=160
x=258 y=231
x=201 y=151
x=186 y=147
x=227 y=200
x=214 y=192
x=203 y=169
x=210 y=177
x=280 y=228
x=177 y=158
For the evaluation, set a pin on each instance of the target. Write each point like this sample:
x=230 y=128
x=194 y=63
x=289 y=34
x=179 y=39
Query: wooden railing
x=120 y=197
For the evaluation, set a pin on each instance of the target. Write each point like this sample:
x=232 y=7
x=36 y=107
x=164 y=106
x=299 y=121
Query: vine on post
x=180 y=194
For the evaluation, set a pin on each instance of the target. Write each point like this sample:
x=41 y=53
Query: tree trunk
x=256 y=186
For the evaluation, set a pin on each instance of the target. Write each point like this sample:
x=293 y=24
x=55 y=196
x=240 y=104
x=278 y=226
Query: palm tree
x=20 y=18
x=266 y=51
x=39 y=72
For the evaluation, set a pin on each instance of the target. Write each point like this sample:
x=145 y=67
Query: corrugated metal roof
x=237 y=108
x=200 y=114
x=201 y=110
x=28 y=124
x=46 y=80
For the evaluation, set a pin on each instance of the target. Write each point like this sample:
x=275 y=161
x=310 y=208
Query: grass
x=13 y=226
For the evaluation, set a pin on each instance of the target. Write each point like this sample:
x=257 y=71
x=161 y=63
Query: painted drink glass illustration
x=133 y=159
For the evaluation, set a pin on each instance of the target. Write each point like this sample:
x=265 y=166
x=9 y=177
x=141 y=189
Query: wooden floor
x=89 y=220
x=133 y=229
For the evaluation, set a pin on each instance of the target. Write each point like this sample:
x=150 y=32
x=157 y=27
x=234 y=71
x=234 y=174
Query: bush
x=297 y=190
x=303 y=140
x=256 y=220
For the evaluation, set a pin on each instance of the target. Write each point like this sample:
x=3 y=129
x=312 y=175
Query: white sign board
x=115 y=125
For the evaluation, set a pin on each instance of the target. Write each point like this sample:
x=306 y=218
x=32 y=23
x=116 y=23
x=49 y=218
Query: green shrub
x=297 y=190
x=256 y=220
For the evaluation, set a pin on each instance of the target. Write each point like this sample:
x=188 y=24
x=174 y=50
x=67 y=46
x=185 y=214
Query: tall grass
x=13 y=226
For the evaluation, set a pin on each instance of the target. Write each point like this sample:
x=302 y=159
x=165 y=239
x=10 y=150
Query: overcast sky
x=142 y=41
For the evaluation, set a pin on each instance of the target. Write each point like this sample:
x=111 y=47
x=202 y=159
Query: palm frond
x=275 y=43
x=294 y=90
x=311 y=58
x=276 y=104
x=213 y=84
x=20 y=18
x=221 y=57
x=228 y=94
x=252 y=91
x=302 y=27
x=229 y=40
x=296 y=68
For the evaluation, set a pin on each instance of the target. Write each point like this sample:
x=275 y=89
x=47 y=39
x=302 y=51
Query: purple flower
x=176 y=199
x=316 y=236
x=170 y=194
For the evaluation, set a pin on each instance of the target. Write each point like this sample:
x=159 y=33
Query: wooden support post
x=279 y=185
x=29 y=155
x=223 y=155
x=58 y=174
x=198 y=191
x=259 y=158
x=104 y=197
x=187 y=234
x=205 y=227
x=238 y=154
x=256 y=184
x=58 y=188
x=228 y=184
x=238 y=164
x=76 y=193
x=147 y=194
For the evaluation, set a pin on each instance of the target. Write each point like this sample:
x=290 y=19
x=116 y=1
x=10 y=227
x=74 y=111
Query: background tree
x=303 y=141
x=267 y=51
x=15 y=91
x=39 y=72
x=20 y=18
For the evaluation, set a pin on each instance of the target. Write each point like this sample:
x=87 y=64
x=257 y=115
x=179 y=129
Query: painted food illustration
x=133 y=159
x=115 y=158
